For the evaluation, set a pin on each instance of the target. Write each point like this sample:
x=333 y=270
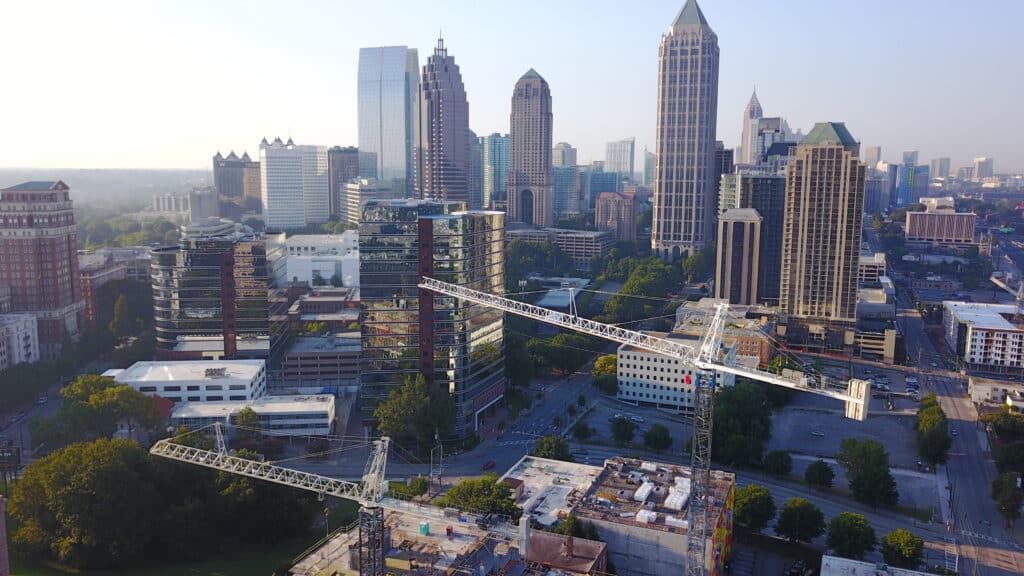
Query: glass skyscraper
x=388 y=114
x=456 y=345
x=495 y=164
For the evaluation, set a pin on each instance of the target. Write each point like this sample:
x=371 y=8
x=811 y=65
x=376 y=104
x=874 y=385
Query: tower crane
x=710 y=365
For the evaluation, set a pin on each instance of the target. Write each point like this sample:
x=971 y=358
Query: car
x=489 y=464
x=17 y=417
x=817 y=433
x=933 y=364
x=43 y=399
x=637 y=419
x=615 y=417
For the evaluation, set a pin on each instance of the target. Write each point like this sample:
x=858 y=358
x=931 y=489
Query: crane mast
x=707 y=359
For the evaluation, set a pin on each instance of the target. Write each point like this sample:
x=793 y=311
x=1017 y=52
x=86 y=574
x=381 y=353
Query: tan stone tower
x=530 y=185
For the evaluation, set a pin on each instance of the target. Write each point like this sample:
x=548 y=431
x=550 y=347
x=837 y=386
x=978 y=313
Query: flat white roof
x=981 y=315
x=266 y=405
x=548 y=484
x=243 y=371
x=835 y=566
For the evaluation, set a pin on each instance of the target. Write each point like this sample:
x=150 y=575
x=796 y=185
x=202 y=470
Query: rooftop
x=551 y=488
x=741 y=215
x=988 y=316
x=690 y=15
x=342 y=342
x=829 y=133
x=835 y=566
x=650 y=495
x=37 y=186
x=577 y=555
x=170 y=371
x=264 y=405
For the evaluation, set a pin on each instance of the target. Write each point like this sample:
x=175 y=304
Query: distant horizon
x=891 y=71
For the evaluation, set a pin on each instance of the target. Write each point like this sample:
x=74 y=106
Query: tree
x=800 y=521
x=933 y=440
x=754 y=507
x=695 y=266
x=742 y=425
x=581 y=431
x=850 y=535
x=1007 y=496
x=482 y=495
x=122 y=325
x=553 y=447
x=1010 y=457
x=658 y=438
x=867 y=468
x=248 y=422
x=623 y=430
x=336 y=281
x=605 y=373
x=902 y=549
x=819 y=474
x=581 y=400
x=778 y=463
x=405 y=414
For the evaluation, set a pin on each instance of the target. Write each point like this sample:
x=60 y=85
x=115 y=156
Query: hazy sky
x=104 y=84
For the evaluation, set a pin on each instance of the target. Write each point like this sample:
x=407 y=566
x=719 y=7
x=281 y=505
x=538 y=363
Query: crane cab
x=857 y=408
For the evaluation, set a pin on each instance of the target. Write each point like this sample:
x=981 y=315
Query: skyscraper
x=442 y=153
x=745 y=153
x=457 y=346
x=616 y=211
x=39 y=260
x=342 y=166
x=872 y=156
x=566 y=181
x=281 y=175
x=738 y=251
x=982 y=167
x=939 y=168
x=911 y=180
x=234 y=181
x=476 y=172
x=684 y=203
x=388 y=104
x=530 y=189
x=495 y=161
x=766 y=193
x=619 y=157
x=563 y=154
x=650 y=162
x=821 y=239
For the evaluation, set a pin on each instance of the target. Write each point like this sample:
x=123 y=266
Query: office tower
x=296 y=187
x=723 y=159
x=202 y=203
x=388 y=115
x=821 y=239
x=891 y=174
x=442 y=153
x=456 y=345
x=736 y=259
x=476 y=172
x=766 y=193
x=684 y=203
x=616 y=211
x=342 y=166
x=765 y=133
x=599 y=181
x=872 y=156
x=495 y=161
x=360 y=191
x=983 y=168
x=566 y=189
x=910 y=158
x=965 y=173
x=650 y=163
x=874 y=193
x=530 y=189
x=211 y=295
x=939 y=168
x=907 y=185
x=39 y=260
x=745 y=152
x=619 y=157
x=237 y=181
x=563 y=154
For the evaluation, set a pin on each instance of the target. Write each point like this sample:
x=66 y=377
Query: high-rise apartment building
x=566 y=189
x=983 y=168
x=616 y=211
x=342 y=166
x=766 y=193
x=530 y=189
x=872 y=156
x=745 y=153
x=39 y=259
x=563 y=154
x=619 y=156
x=939 y=168
x=738 y=251
x=821 y=239
x=211 y=295
x=650 y=164
x=442 y=154
x=388 y=103
x=237 y=180
x=495 y=168
x=295 y=184
x=457 y=346
x=684 y=203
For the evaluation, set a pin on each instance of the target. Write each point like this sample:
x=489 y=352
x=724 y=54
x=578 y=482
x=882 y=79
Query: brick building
x=95 y=270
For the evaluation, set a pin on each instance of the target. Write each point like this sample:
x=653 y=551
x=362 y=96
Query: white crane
x=707 y=359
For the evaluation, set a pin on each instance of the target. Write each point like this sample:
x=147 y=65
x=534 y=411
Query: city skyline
x=313 y=76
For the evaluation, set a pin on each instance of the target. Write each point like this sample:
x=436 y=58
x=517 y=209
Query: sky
x=148 y=84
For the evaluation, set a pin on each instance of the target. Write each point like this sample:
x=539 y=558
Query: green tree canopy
x=658 y=438
x=754 y=507
x=742 y=424
x=902 y=549
x=850 y=536
x=819 y=474
x=933 y=440
x=1007 y=496
x=800 y=521
x=778 y=463
x=412 y=413
x=867 y=468
x=623 y=430
x=553 y=447
x=482 y=495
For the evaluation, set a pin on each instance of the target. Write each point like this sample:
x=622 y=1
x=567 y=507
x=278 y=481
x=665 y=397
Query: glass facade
x=388 y=114
x=458 y=346
x=567 y=189
x=766 y=194
x=495 y=165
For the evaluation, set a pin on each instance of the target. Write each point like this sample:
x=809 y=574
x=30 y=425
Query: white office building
x=985 y=337
x=196 y=380
x=317 y=258
x=278 y=415
x=358 y=192
x=295 y=188
x=19 y=339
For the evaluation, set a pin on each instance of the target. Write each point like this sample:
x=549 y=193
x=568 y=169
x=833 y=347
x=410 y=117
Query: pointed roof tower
x=754 y=106
x=690 y=15
x=531 y=73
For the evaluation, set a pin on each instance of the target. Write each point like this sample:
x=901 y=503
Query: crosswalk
x=992 y=539
x=523 y=442
x=950 y=554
